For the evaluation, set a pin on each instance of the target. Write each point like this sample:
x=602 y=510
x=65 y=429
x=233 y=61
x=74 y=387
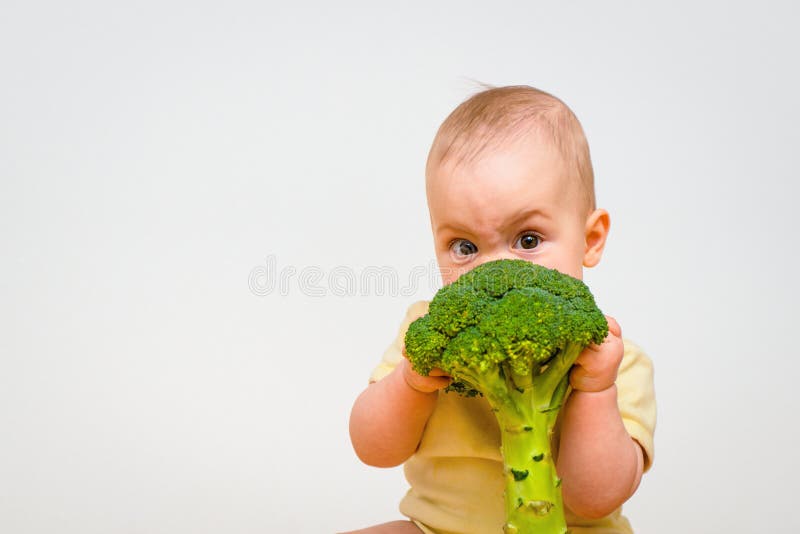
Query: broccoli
x=510 y=330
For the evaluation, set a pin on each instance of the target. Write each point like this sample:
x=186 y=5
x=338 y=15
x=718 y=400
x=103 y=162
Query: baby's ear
x=596 y=231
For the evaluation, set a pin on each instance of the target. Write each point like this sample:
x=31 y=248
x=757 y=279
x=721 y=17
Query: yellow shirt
x=457 y=484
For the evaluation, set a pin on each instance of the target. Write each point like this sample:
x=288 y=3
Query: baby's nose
x=499 y=255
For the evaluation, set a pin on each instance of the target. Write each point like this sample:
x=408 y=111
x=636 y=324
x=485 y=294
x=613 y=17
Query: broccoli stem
x=526 y=417
x=532 y=497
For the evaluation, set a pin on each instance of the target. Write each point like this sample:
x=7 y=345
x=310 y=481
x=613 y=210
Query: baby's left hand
x=596 y=368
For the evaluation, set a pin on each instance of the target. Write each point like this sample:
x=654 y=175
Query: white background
x=152 y=155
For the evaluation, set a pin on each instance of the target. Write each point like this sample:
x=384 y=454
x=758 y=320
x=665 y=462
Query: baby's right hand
x=436 y=379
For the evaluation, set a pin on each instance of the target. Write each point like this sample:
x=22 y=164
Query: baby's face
x=511 y=202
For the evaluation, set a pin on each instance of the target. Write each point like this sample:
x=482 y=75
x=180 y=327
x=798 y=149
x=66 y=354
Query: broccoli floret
x=510 y=331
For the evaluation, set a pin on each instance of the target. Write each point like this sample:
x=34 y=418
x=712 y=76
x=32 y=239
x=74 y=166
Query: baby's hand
x=596 y=367
x=436 y=379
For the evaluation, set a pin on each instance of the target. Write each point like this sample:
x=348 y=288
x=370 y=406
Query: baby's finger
x=614 y=331
x=613 y=326
x=432 y=383
x=581 y=380
x=424 y=384
x=438 y=372
x=590 y=360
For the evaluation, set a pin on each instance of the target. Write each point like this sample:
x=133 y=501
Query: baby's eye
x=461 y=248
x=528 y=241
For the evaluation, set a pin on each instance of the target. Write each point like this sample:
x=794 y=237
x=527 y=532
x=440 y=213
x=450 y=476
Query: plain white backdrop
x=163 y=163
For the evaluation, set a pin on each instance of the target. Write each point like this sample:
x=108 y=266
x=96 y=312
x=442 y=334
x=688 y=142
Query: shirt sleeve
x=394 y=352
x=636 y=398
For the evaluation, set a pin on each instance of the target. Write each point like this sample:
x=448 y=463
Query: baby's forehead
x=470 y=147
x=521 y=148
x=500 y=117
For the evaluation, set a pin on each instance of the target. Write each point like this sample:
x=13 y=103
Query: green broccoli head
x=511 y=316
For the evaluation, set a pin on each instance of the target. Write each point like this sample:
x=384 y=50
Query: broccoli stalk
x=510 y=331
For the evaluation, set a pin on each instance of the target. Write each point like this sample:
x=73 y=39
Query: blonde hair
x=505 y=114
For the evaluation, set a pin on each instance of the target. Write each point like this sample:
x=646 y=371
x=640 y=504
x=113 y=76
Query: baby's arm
x=388 y=418
x=599 y=463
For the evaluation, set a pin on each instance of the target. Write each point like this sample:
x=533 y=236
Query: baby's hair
x=505 y=114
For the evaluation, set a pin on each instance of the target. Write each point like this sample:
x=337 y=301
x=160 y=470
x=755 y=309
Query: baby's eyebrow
x=521 y=215
x=447 y=227
x=525 y=214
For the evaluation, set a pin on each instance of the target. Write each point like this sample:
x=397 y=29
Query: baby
x=509 y=176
